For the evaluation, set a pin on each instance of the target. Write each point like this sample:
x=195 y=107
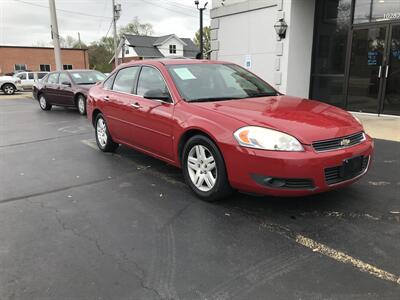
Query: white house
x=137 y=47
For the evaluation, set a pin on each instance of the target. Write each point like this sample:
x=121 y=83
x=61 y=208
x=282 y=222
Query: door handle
x=136 y=105
x=106 y=98
x=380 y=72
x=387 y=71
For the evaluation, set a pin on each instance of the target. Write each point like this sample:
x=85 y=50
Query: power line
x=169 y=8
x=62 y=10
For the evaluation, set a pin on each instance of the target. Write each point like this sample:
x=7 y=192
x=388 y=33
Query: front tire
x=44 y=105
x=81 y=104
x=103 y=138
x=204 y=169
x=8 y=89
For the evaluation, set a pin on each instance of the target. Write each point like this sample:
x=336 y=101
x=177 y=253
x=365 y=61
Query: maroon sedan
x=228 y=129
x=66 y=88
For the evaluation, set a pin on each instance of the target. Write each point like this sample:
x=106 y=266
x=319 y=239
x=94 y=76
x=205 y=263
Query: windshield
x=213 y=82
x=87 y=77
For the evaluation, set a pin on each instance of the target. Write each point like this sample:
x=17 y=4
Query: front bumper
x=246 y=166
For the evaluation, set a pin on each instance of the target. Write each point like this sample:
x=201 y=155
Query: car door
x=153 y=115
x=29 y=81
x=24 y=81
x=117 y=99
x=65 y=91
x=50 y=88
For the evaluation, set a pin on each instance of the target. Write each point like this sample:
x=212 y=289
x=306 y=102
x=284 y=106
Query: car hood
x=84 y=87
x=307 y=120
x=8 y=78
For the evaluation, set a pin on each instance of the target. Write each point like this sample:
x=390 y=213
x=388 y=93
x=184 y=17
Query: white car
x=9 y=84
x=29 y=78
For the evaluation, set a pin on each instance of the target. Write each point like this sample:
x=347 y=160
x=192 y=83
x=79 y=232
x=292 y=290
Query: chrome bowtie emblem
x=344 y=142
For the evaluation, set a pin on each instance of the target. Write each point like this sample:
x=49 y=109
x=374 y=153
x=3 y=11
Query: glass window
x=67 y=67
x=376 y=10
x=212 y=82
x=87 y=77
x=21 y=76
x=125 y=79
x=151 y=79
x=31 y=76
x=45 y=68
x=332 y=23
x=53 y=78
x=109 y=82
x=41 y=75
x=20 y=67
x=64 y=78
x=172 y=49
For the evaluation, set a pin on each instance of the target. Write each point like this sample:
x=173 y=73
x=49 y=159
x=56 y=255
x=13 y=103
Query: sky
x=27 y=22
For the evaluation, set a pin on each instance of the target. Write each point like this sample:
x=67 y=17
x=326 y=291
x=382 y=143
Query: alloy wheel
x=42 y=102
x=81 y=105
x=202 y=168
x=101 y=130
x=9 y=89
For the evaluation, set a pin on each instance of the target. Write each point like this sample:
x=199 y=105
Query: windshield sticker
x=184 y=73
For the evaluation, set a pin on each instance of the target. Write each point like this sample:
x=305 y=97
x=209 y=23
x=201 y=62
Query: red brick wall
x=34 y=57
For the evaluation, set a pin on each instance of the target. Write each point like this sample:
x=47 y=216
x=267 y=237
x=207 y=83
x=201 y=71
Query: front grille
x=334 y=144
x=299 y=184
x=332 y=175
x=284 y=183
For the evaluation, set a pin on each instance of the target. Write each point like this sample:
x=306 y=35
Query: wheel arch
x=10 y=83
x=77 y=96
x=95 y=113
x=189 y=134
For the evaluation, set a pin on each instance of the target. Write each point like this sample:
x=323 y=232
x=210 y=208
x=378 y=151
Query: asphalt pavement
x=76 y=223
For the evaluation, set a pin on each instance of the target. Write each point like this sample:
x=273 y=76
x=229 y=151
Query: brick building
x=13 y=58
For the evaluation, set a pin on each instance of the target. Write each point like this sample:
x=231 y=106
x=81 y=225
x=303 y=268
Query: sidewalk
x=383 y=127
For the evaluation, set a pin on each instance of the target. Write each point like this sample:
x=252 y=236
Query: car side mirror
x=157 y=94
x=66 y=83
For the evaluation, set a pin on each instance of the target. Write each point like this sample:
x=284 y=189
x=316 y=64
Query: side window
x=41 y=75
x=109 y=82
x=151 y=79
x=21 y=76
x=31 y=76
x=125 y=79
x=63 y=78
x=53 y=78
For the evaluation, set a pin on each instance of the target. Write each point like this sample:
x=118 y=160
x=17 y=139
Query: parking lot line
x=332 y=253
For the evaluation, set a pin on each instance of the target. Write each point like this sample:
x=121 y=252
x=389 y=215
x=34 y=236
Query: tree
x=71 y=42
x=135 y=27
x=99 y=57
x=206 y=40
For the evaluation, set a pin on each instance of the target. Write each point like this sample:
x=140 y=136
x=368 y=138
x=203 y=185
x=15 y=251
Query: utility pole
x=201 y=9
x=54 y=34
x=79 y=40
x=116 y=16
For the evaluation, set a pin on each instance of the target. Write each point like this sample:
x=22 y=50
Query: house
x=343 y=52
x=19 y=58
x=138 y=47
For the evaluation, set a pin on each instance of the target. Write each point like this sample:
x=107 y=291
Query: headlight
x=266 y=139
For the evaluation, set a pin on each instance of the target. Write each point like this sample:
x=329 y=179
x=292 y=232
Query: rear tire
x=103 y=138
x=8 y=89
x=204 y=169
x=44 y=105
x=81 y=104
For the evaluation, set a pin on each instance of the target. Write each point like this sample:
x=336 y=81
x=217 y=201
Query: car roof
x=167 y=62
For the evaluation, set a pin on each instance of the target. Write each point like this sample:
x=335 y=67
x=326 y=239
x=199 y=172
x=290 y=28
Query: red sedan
x=228 y=129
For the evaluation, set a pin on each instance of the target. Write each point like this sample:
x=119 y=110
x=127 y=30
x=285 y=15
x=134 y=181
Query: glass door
x=391 y=98
x=367 y=69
